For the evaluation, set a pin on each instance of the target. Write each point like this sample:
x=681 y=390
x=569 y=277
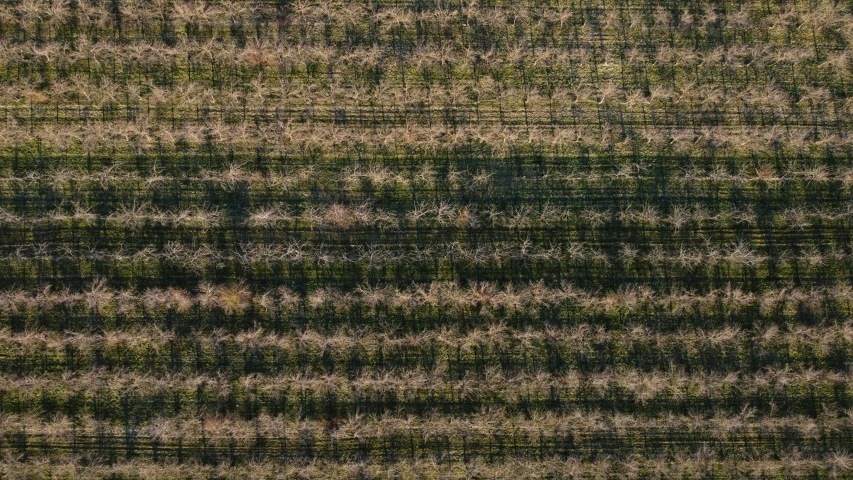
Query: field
x=426 y=239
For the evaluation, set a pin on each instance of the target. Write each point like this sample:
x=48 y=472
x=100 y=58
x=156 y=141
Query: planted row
x=478 y=351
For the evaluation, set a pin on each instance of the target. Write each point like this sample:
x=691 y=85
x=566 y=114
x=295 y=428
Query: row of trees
x=431 y=176
x=130 y=76
x=429 y=215
x=489 y=350
x=78 y=145
x=447 y=261
x=235 y=299
x=581 y=434
x=398 y=25
x=123 y=396
x=481 y=301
